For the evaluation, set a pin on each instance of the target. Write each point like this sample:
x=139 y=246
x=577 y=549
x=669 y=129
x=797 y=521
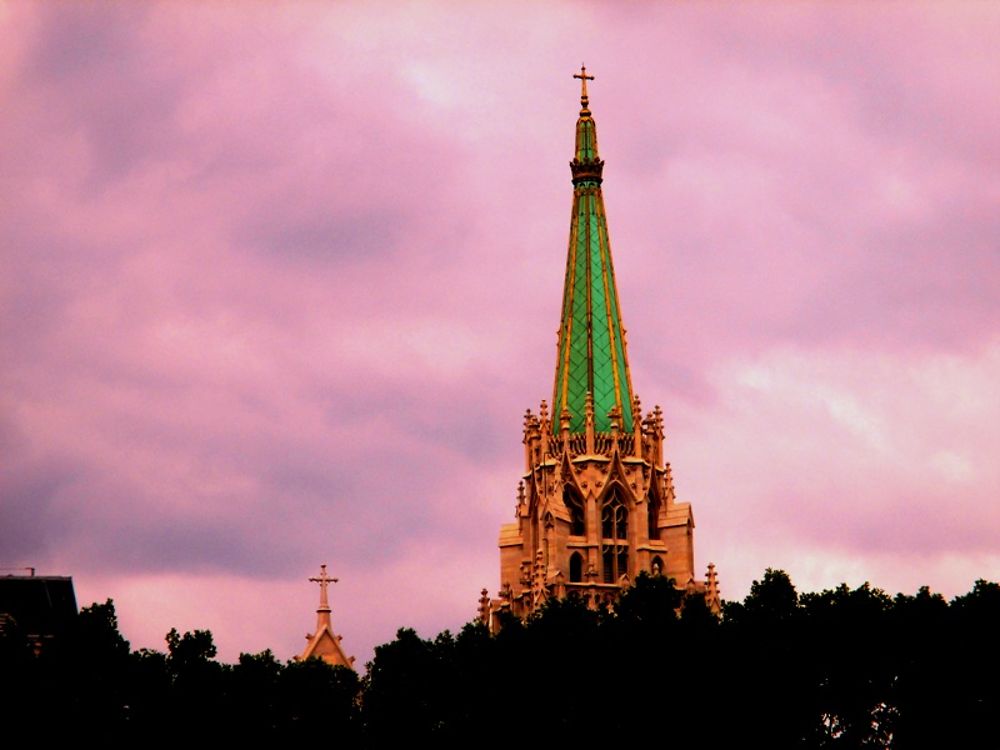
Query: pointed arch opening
x=614 y=516
x=656 y=566
x=614 y=536
x=576 y=568
x=653 y=509
x=577 y=517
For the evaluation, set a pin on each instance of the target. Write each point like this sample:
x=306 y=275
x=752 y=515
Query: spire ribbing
x=591 y=337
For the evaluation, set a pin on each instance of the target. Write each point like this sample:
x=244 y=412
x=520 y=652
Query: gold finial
x=582 y=75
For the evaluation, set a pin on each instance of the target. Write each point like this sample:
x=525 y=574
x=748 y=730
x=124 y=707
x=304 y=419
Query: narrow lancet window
x=656 y=567
x=653 y=508
x=574 y=504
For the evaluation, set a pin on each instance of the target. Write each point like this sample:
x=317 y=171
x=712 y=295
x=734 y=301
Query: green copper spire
x=591 y=339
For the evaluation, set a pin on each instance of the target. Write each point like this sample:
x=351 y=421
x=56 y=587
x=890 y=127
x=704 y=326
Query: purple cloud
x=280 y=284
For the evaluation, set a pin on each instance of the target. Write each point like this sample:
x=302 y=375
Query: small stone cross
x=582 y=75
x=323 y=580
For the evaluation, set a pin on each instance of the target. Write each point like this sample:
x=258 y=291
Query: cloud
x=280 y=283
x=846 y=453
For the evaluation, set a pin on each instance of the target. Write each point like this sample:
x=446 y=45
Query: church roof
x=324 y=643
x=592 y=355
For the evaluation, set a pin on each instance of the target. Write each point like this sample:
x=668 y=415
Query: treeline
x=844 y=668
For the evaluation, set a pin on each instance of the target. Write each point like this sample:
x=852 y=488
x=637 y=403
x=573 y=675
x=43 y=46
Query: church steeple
x=595 y=502
x=324 y=643
x=592 y=357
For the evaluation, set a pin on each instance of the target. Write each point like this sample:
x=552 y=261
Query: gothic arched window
x=615 y=560
x=614 y=518
x=574 y=504
x=614 y=537
x=656 y=567
x=653 y=508
x=576 y=567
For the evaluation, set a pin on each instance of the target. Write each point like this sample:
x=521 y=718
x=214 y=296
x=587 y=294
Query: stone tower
x=596 y=504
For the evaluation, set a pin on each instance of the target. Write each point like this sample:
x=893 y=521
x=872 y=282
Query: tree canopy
x=841 y=668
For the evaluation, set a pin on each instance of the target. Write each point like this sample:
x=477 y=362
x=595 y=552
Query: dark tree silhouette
x=842 y=668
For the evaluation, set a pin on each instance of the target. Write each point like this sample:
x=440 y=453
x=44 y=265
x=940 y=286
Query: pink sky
x=279 y=284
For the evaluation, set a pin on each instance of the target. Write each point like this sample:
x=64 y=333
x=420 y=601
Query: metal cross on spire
x=582 y=75
x=323 y=580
